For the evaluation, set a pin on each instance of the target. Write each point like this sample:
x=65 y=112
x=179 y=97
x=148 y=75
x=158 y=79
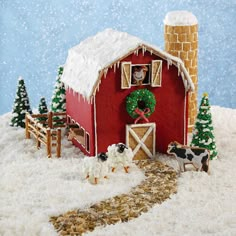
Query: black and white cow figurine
x=198 y=157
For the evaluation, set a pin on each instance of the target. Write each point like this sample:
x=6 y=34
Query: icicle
x=97 y=89
x=185 y=82
x=114 y=67
x=178 y=65
x=118 y=64
x=88 y=101
x=105 y=72
x=151 y=52
x=169 y=62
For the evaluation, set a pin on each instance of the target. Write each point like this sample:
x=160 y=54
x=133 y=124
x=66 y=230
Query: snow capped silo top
x=180 y=18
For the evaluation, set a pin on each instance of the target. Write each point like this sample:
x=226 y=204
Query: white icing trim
x=95 y=127
x=185 y=101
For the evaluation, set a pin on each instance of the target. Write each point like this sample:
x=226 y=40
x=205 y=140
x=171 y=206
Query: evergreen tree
x=42 y=109
x=203 y=133
x=59 y=98
x=43 y=106
x=21 y=105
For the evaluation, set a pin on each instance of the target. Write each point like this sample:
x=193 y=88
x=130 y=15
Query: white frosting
x=180 y=18
x=86 y=60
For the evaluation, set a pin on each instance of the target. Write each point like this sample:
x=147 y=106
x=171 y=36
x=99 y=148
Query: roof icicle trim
x=90 y=60
x=171 y=60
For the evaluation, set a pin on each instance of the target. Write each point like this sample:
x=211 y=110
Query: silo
x=181 y=40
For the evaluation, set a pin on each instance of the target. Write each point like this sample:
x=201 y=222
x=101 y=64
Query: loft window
x=141 y=74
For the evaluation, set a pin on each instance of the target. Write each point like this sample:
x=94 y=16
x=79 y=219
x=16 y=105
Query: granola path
x=160 y=183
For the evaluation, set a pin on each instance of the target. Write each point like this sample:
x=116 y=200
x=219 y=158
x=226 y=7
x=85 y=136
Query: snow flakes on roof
x=86 y=61
x=180 y=18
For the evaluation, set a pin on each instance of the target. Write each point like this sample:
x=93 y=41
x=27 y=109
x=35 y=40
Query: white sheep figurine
x=120 y=154
x=96 y=167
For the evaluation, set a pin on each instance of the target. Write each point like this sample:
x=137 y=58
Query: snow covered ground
x=33 y=187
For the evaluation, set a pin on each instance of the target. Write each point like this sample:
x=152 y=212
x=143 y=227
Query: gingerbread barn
x=102 y=72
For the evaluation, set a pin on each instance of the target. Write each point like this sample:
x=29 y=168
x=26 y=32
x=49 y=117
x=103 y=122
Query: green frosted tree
x=42 y=109
x=58 y=103
x=203 y=133
x=21 y=105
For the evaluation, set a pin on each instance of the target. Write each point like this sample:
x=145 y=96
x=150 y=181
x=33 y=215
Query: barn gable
x=89 y=61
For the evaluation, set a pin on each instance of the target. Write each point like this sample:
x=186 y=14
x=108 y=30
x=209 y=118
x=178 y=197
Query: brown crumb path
x=156 y=188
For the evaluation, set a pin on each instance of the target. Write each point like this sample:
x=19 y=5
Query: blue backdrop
x=36 y=35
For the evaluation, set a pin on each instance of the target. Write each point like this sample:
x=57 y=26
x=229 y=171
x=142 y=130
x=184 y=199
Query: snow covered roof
x=88 y=61
x=180 y=18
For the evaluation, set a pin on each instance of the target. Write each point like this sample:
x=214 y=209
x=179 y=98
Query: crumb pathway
x=156 y=188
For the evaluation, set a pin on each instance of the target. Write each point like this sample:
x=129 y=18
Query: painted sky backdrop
x=35 y=37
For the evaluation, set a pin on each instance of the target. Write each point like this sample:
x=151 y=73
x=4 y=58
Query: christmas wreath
x=140 y=104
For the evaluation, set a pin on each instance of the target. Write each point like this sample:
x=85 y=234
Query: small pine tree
x=58 y=103
x=43 y=106
x=203 y=133
x=42 y=109
x=21 y=105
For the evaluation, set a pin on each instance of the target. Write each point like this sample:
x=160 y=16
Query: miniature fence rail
x=46 y=128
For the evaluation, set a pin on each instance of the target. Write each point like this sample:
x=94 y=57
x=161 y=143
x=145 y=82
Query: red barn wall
x=83 y=113
x=169 y=116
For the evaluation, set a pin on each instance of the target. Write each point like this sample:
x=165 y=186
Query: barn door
x=141 y=139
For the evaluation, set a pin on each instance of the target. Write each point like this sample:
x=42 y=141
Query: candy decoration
x=141 y=115
x=140 y=104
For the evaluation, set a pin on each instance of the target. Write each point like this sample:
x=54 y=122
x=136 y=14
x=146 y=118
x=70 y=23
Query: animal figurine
x=198 y=157
x=139 y=74
x=96 y=167
x=120 y=154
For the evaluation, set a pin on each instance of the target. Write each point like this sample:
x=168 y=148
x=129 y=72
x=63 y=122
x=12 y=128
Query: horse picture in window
x=140 y=74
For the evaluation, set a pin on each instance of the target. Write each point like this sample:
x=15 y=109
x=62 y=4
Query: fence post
x=49 y=146
x=58 y=142
x=37 y=135
x=27 y=133
x=50 y=120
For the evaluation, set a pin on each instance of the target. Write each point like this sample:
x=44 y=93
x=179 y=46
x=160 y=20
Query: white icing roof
x=180 y=18
x=93 y=56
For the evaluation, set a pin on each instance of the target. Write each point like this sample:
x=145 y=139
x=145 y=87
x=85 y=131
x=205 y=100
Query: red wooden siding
x=111 y=115
x=83 y=113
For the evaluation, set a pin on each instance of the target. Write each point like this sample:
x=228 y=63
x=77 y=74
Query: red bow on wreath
x=141 y=115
